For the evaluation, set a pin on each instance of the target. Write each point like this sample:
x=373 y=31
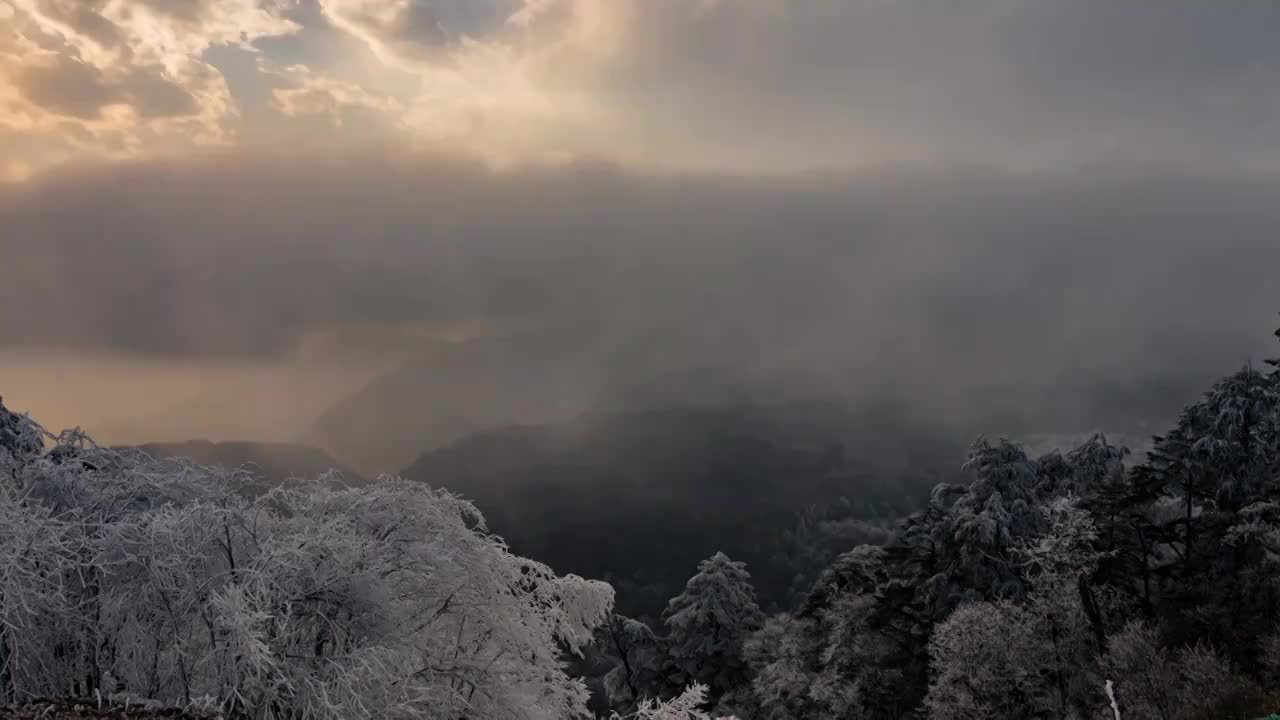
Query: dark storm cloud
x=902 y=277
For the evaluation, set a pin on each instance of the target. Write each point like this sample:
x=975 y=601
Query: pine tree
x=708 y=624
x=1200 y=478
x=999 y=509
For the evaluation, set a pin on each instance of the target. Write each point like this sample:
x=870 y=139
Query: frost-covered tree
x=19 y=437
x=780 y=656
x=1097 y=470
x=685 y=706
x=987 y=662
x=999 y=509
x=707 y=625
x=1035 y=655
x=636 y=654
x=1153 y=682
x=1047 y=559
x=844 y=654
x=1204 y=481
x=125 y=575
x=865 y=626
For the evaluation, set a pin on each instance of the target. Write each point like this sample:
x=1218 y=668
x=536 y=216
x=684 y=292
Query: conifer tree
x=708 y=624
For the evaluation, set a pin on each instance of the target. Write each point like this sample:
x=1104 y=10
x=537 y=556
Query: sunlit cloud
x=724 y=85
x=312 y=94
x=118 y=78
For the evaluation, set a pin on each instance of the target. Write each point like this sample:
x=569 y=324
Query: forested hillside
x=1077 y=584
x=638 y=498
x=1086 y=583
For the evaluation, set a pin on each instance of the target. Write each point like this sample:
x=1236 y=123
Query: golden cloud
x=729 y=85
x=116 y=79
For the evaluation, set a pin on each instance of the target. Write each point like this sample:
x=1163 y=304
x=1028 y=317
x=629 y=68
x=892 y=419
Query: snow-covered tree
x=1094 y=463
x=635 y=653
x=1152 y=682
x=780 y=656
x=125 y=575
x=1204 y=485
x=708 y=623
x=867 y=621
x=1031 y=656
x=999 y=509
x=844 y=654
x=987 y=661
x=685 y=706
x=19 y=437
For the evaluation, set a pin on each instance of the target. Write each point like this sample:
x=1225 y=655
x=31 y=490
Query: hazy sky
x=285 y=195
x=689 y=84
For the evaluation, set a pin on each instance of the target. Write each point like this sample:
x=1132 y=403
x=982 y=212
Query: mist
x=955 y=293
x=1017 y=217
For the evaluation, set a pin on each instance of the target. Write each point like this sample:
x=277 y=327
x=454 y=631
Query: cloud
x=880 y=190
x=120 y=79
x=739 y=85
x=752 y=84
x=394 y=29
x=65 y=86
x=912 y=275
x=311 y=94
x=414 y=34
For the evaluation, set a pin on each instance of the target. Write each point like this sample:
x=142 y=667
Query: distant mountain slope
x=450 y=390
x=264 y=404
x=273 y=463
x=640 y=497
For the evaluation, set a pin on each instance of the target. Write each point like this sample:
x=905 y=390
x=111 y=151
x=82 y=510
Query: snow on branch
x=126 y=576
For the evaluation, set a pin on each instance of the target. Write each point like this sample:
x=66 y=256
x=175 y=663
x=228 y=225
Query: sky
x=274 y=202
x=737 y=85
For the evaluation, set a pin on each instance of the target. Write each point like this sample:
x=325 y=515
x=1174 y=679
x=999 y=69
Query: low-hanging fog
x=225 y=292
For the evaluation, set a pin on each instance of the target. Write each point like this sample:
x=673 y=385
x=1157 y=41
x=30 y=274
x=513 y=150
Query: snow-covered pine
x=123 y=575
x=1036 y=655
x=998 y=510
x=708 y=623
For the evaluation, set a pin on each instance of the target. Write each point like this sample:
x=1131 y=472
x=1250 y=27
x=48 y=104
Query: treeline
x=1076 y=585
